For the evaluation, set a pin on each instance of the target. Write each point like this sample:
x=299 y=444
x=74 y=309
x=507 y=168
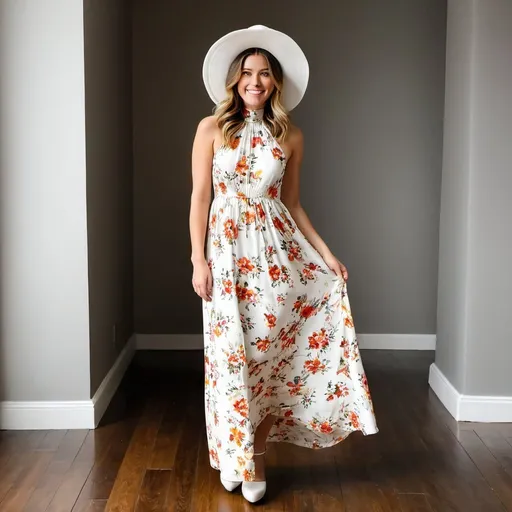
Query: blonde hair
x=229 y=112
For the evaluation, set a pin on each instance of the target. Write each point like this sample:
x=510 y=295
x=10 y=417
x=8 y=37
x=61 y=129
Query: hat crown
x=258 y=27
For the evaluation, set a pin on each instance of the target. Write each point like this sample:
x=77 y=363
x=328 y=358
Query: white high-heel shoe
x=229 y=485
x=254 y=491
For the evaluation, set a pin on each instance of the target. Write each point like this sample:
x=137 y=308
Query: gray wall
x=44 y=314
x=107 y=41
x=372 y=119
x=474 y=346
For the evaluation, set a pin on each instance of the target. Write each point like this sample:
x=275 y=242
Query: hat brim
x=289 y=54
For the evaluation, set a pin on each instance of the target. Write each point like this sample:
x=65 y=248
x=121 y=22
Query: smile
x=256 y=93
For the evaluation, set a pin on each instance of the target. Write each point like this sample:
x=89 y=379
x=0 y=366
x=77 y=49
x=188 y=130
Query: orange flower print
x=314 y=366
x=354 y=419
x=336 y=390
x=258 y=388
x=244 y=265
x=289 y=412
x=277 y=153
x=228 y=286
x=278 y=224
x=287 y=341
x=223 y=188
x=242 y=166
x=262 y=344
x=270 y=320
x=217 y=330
x=241 y=407
x=294 y=251
x=256 y=141
x=325 y=427
x=318 y=340
x=274 y=272
x=306 y=272
x=273 y=191
x=243 y=293
x=249 y=475
x=214 y=456
x=307 y=311
x=345 y=346
x=213 y=221
x=250 y=217
x=297 y=305
x=230 y=230
x=348 y=321
x=236 y=360
x=261 y=212
x=234 y=143
x=295 y=387
x=236 y=435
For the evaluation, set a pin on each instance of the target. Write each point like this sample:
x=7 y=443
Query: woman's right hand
x=202 y=280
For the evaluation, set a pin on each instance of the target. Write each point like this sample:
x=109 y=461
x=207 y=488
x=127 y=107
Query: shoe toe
x=254 y=491
x=229 y=485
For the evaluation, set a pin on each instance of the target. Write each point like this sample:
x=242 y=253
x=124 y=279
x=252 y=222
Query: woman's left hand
x=335 y=265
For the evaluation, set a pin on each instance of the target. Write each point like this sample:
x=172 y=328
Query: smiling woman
x=281 y=356
x=256 y=83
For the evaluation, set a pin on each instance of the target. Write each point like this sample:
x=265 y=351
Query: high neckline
x=251 y=115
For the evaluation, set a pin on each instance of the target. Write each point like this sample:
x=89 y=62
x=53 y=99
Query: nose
x=255 y=80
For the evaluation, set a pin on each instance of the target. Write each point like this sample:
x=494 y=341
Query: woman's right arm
x=202 y=156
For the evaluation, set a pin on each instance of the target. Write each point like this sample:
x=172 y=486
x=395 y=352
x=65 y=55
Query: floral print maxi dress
x=279 y=336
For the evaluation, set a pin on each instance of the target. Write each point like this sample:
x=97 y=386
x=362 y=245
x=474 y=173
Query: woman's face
x=256 y=84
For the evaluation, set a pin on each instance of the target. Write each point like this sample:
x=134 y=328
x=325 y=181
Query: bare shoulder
x=295 y=136
x=295 y=139
x=207 y=125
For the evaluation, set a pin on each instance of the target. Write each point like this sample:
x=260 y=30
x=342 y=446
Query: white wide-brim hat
x=289 y=54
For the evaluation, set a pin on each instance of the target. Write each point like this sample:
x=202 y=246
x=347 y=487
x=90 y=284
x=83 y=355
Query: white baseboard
x=64 y=414
x=484 y=409
x=110 y=383
x=46 y=415
x=366 y=341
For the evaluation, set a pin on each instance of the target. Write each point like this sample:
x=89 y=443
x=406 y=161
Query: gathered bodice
x=252 y=166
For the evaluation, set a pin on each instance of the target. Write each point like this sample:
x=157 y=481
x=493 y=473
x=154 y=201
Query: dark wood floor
x=150 y=453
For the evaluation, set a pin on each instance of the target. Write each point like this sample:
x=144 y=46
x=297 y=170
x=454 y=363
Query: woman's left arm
x=290 y=196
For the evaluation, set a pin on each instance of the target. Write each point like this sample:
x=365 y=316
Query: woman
x=281 y=355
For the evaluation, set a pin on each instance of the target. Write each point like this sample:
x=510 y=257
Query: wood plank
x=131 y=473
x=181 y=484
x=154 y=489
x=54 y=475
x=497 y=478
x=74 y=479
x=497 y=444
x=52 y=440
x=91 y=506
x=111 y=451
x=166 y=444
x=275 y=474
x=414 y=503
x=21 y=490
x=207 y=487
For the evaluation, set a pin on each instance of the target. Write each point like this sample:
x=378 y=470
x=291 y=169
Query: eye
x=246 y=73
x=266 y=74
